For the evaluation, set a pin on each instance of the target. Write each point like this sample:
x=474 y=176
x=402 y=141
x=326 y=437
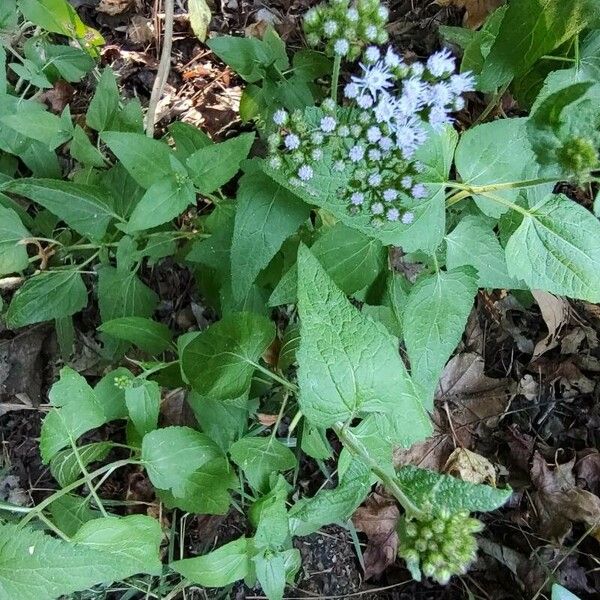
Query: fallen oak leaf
x=377 y=519
x=559 y=502
x=476 y=10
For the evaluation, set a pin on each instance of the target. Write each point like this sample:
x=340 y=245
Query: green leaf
x=444 y=491
x=496 y=152
x=162 y=202
x=434 y=319
x=76 y=411
x=270 y=572
x=13 y=254
x=224 y=421
x=352 y=259
x=146 y=334
x=143 y=405
x=84 y=151
x=84 y=208
x=200 y=17
x=36 y=566
x=134 y=539
x=70 y=512
x=556 y=248
x=123 y=295
x=220 y=361
x=266 y=216
x=561 y=593
x=71 y=64
x=172 y=454
x=58 y=16
x=148 y=161
x=112 y=397
x=206 y=490
x=246 y=56
x=49 y=295
x=218 y=568
x=258 y=457
x=65 y=467
x=213 y=166
x=349 y=365
x=8 y=18
x=47 y=128
x=330 y=506
x=187 y=139
x=473 y=243
x=529 y=30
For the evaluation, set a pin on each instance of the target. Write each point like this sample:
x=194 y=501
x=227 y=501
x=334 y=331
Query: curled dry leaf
x=556 y=313
x=377 y=519
x=470 y=466
x=559 y=502
x=476 y=10
x=115 y=7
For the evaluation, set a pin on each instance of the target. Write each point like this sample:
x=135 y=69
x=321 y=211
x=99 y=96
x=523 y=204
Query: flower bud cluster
x=579 y=155
x=440 y=544
x=122 y=382
x=344 y=29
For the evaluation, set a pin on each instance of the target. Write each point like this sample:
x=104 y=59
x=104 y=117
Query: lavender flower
x=419 y=191
x=328 y=124
x=280 y=117
x=441 y=63
x=305 y=173
x=341 y=47
x=393 y=214
x=408 y=218
x=291 y=141
x=356 y=153
x=357 y=198
x=377 y=208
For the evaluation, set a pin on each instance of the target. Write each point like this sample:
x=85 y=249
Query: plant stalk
x=163 y=68
x=356 y=447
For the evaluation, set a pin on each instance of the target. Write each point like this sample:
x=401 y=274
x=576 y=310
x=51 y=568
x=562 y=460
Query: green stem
x=86 y=476
x=14 y=507
x=356 y=447
x=50 y=525
x=457 y=197
x=335 y=78
x=492 y=187
x=37 y=510
x=285 y=382
x=577 y=58
x=492 y=104
x=558 y=58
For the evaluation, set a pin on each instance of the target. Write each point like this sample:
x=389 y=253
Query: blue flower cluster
x=374 y=142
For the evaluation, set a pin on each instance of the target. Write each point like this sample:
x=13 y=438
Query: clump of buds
x=344 y=29
x=440 y=544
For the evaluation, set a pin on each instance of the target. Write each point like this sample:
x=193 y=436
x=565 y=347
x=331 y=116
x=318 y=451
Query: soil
x=532 y=417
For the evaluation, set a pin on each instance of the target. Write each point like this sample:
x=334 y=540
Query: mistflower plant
x=373 y=138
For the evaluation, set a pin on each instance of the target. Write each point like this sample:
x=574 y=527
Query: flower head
x=328 y=124
x=305 y=173
x=291 y=141
x=341 y=47
x=356 y=153
x=408 y=218
x=441 y=63
x=280 y=117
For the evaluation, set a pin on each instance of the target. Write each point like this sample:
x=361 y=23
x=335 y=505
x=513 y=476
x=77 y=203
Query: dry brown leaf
x=470 y=466
x=140 y=30
x=59 y=96
x=559 y=502
x=377 y=519
x=114 y=7
x=556 y=313
x=267 y=420
x=476 y=10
